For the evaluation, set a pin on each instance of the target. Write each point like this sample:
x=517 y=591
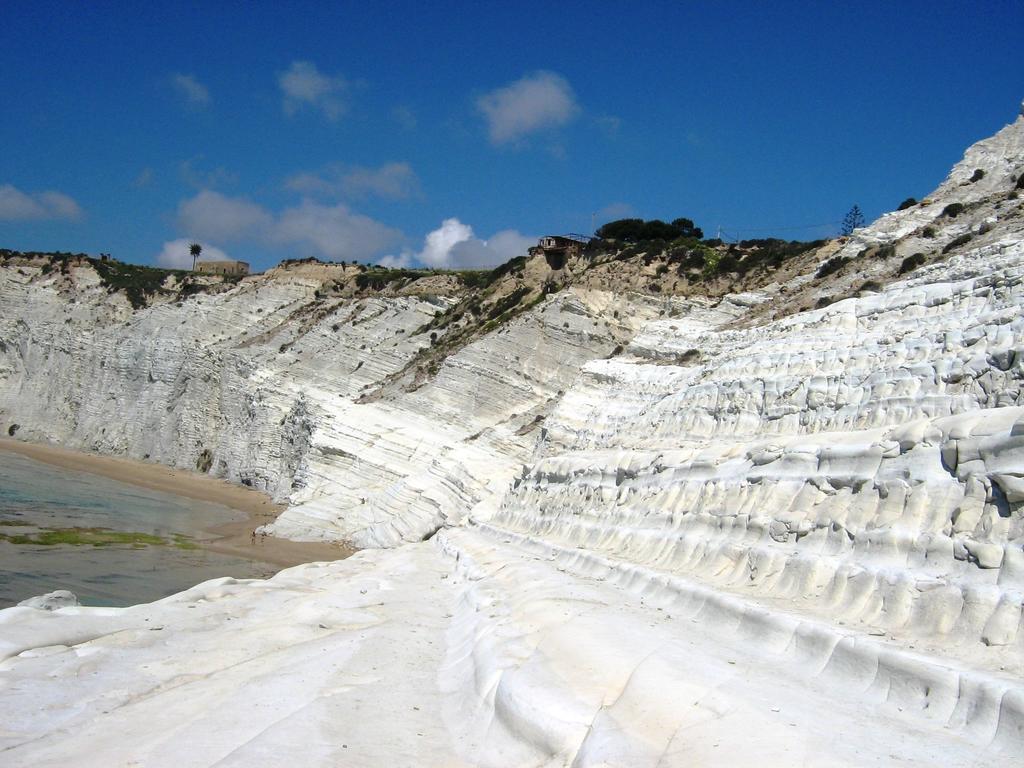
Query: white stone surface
x=795 y=542
x=51 y=601
x=476 y=651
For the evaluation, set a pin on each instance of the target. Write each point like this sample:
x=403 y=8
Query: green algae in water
x=95 y=537
x=181 y=541
x=110 y=543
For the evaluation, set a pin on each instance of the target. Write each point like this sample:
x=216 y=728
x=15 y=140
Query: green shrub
x=953 y=210
x=508 y=302
x=204 y=461
x=637 y=230
x=475 y=278
x=979 y=174
x=728 y=263
x=686 y=228
x=652 y=249
x=509 y=266
x=378 y=277
x=136 y=281
x=831 y=266
x=911 y=263
x=928 y=232
x=1020 y=181
x=366 y=280
x=189 y=287
x=770 y=253
x=693 y=259
x=711 y=259
x=956 y=242
x=908 y=203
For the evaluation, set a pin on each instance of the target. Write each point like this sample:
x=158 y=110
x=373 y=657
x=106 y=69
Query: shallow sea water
x=44 y=496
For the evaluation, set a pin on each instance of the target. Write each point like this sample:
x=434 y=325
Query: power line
x=786 y=228
x=731 y=234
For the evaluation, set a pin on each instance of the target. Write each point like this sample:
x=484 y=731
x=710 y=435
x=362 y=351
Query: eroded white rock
x=51 y=601
x=789 y=541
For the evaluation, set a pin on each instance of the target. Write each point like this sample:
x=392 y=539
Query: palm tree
x=195 y=249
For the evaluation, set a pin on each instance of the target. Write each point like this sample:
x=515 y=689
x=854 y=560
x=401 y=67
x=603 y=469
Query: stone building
x=230 y=268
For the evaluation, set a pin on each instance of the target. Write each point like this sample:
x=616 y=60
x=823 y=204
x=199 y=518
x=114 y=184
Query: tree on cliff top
x=635 y=230
x=195 y=249
x=854 y=219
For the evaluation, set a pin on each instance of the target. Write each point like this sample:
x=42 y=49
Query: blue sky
x=452 y=134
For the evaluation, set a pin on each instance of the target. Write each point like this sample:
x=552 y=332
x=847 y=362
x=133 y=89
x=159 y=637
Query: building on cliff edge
x=228 y=268
x=557 y=248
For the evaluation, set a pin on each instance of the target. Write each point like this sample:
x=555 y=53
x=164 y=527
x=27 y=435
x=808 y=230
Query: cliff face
x=209 y=380
x=266 y=384
x=662 y=514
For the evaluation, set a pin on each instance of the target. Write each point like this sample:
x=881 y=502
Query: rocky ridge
x=657 y=520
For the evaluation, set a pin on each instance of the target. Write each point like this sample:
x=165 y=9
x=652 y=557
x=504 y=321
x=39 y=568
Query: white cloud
x=191 y=90
x=218 y=217
x=453 y=244
x=309 y=183
x=176 y=254
x=391 y=180
x=16 y=205
x=402 y=261
x=304 y=85
x=497 y=249
x=334 y=232
x=437 y=246
x=533 y=103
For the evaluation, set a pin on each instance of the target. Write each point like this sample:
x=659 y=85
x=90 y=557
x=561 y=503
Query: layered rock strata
x=663 y=530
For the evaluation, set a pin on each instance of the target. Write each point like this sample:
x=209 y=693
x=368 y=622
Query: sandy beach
x=231 y=539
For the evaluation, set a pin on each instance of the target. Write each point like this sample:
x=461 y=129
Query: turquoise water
x=35 y=495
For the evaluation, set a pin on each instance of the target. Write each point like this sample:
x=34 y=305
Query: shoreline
x=234 y=538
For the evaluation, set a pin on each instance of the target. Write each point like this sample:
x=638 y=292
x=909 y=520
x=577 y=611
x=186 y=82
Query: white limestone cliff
x=669 y=530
